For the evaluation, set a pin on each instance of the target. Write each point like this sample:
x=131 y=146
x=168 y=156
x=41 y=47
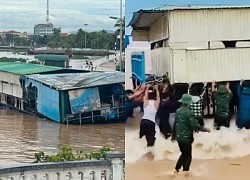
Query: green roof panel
x=25 y=68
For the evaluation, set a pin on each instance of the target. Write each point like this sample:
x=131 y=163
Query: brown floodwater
x=219 y=155
x=22 y=135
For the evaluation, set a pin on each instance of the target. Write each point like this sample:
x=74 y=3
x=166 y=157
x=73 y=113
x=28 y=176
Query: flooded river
x=23 y=135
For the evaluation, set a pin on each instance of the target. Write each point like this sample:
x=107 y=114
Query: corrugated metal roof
x=25 y=68
x=200 y=7
x=78 y=80
x=49 y=57
x=142 y=19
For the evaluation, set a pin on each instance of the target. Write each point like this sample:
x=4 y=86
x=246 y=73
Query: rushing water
x=225 y=143
x=23 y=135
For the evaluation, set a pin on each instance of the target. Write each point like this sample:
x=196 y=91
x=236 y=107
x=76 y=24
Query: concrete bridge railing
x=111 y=168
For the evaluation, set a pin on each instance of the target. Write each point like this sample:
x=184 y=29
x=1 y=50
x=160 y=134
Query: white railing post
x=117 y=166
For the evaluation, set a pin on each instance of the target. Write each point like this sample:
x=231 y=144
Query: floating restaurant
x=63 y=95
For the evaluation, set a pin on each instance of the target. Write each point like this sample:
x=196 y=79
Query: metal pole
x=85 y=39
x=80 y=116
x=121 y=35
x=85 y=35
x=115 y=52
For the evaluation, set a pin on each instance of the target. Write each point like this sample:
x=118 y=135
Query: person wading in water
x=222 y=97
x=197 y=106
x=166 y=111
x=184 y=126
x=151 y=104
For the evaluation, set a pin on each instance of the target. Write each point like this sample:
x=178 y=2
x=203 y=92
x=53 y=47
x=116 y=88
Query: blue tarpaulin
x=84 y=99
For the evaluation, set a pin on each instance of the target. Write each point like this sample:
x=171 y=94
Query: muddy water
x=23 y=135
x=228 y=149
x=225 y=143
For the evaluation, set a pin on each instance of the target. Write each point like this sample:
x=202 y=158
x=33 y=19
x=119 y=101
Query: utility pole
x=85 y=36
x=115 y=53
x=120 y=35
x=47 y=12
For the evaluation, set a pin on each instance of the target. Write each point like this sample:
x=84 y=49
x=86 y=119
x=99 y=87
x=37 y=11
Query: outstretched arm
x=136 y=94
x=158 y=100
x=189 y=87
x=203 y=90
x=213 y=86
x=146 y=94
x=240 y=87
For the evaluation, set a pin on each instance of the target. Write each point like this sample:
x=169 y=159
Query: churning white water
x=224 y=143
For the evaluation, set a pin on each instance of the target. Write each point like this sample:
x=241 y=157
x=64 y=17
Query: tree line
x=94 y=40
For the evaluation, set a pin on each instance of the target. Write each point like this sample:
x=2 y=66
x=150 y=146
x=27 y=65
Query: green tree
x=80 y=38
x=66 y=154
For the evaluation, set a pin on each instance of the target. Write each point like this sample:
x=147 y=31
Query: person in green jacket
x=184 y=126
x=222 y=97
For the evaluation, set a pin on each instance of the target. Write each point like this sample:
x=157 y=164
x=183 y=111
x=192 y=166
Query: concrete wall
x=111 y=168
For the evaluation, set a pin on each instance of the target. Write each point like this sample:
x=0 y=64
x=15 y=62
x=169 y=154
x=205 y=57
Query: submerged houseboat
x=63 y=95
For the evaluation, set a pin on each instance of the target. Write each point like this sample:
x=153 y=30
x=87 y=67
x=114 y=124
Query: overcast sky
x=136 y=5
x=70 y=15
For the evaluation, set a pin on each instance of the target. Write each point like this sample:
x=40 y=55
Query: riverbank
x=218 y=155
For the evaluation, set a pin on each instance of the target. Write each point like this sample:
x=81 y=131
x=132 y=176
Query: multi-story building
x=14 y=33
x=43 y=29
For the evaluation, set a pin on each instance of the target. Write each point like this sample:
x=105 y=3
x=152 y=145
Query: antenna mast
x=47 y=15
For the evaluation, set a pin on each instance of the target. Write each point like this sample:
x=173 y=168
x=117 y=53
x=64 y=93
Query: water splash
x=225 y=143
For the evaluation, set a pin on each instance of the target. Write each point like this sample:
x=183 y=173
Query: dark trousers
x=243 y=123
x=185 y=158
x=200 y=120
x=147 y=128
x=222 y=121
x=165 y=127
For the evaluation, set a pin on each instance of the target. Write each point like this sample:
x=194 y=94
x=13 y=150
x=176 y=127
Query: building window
x=229 y=44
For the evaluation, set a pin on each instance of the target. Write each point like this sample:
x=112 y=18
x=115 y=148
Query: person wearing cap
x=222 y=97
x=243 y=112
x=184 y=126
x=197 y=106
x=151 y=104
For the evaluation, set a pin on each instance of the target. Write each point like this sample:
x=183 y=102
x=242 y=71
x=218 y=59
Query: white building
x=196 y=44
x=43 y=29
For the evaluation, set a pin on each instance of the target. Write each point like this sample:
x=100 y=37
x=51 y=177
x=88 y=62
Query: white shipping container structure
x=197 y=44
